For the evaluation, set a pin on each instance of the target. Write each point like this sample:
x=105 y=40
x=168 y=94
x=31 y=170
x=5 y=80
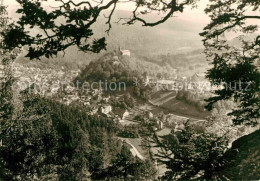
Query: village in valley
x=136 y=117
x=59 y=84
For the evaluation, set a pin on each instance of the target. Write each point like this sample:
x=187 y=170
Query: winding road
x=134 y=150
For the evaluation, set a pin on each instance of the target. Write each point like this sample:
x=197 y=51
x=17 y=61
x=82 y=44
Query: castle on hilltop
x=124 y=52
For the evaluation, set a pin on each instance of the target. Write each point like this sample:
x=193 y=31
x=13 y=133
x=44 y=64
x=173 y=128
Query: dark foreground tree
x=71 y=23
x=236 y=62
x=191 y=154
x=29 y=145
x=7 y=58
x=126 y=167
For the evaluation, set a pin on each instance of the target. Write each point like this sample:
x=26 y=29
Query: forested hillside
x=49 y=140
x=173 y=37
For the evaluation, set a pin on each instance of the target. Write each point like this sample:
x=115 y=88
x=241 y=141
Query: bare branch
x=172 y=6
x=109 y=18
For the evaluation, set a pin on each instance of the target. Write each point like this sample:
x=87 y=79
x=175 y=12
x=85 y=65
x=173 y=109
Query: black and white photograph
x=129 y=90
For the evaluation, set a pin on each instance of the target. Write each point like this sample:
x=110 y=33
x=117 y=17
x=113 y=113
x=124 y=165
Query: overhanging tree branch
x=234 y=61
x=55 y=36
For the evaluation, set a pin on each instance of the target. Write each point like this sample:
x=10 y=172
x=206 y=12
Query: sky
x=196 y=15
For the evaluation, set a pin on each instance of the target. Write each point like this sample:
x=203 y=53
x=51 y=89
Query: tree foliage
x=191 y=154
x=235 y=63
x=29 y=144
x=125 y=167
x=6 y=80
x=71 y=23
x=49 y=140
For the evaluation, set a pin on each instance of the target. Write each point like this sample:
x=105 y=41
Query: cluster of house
x=103 y=107
x=161 y=121
x=98 y=103
x=175 y=122
x=195 y=83
x=116 y=114
x=47 y=81
x=156 y=120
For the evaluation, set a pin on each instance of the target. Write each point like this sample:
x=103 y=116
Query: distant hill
x=72 y=59
x=174 y=36
x=174 y=44
x=177 y=35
